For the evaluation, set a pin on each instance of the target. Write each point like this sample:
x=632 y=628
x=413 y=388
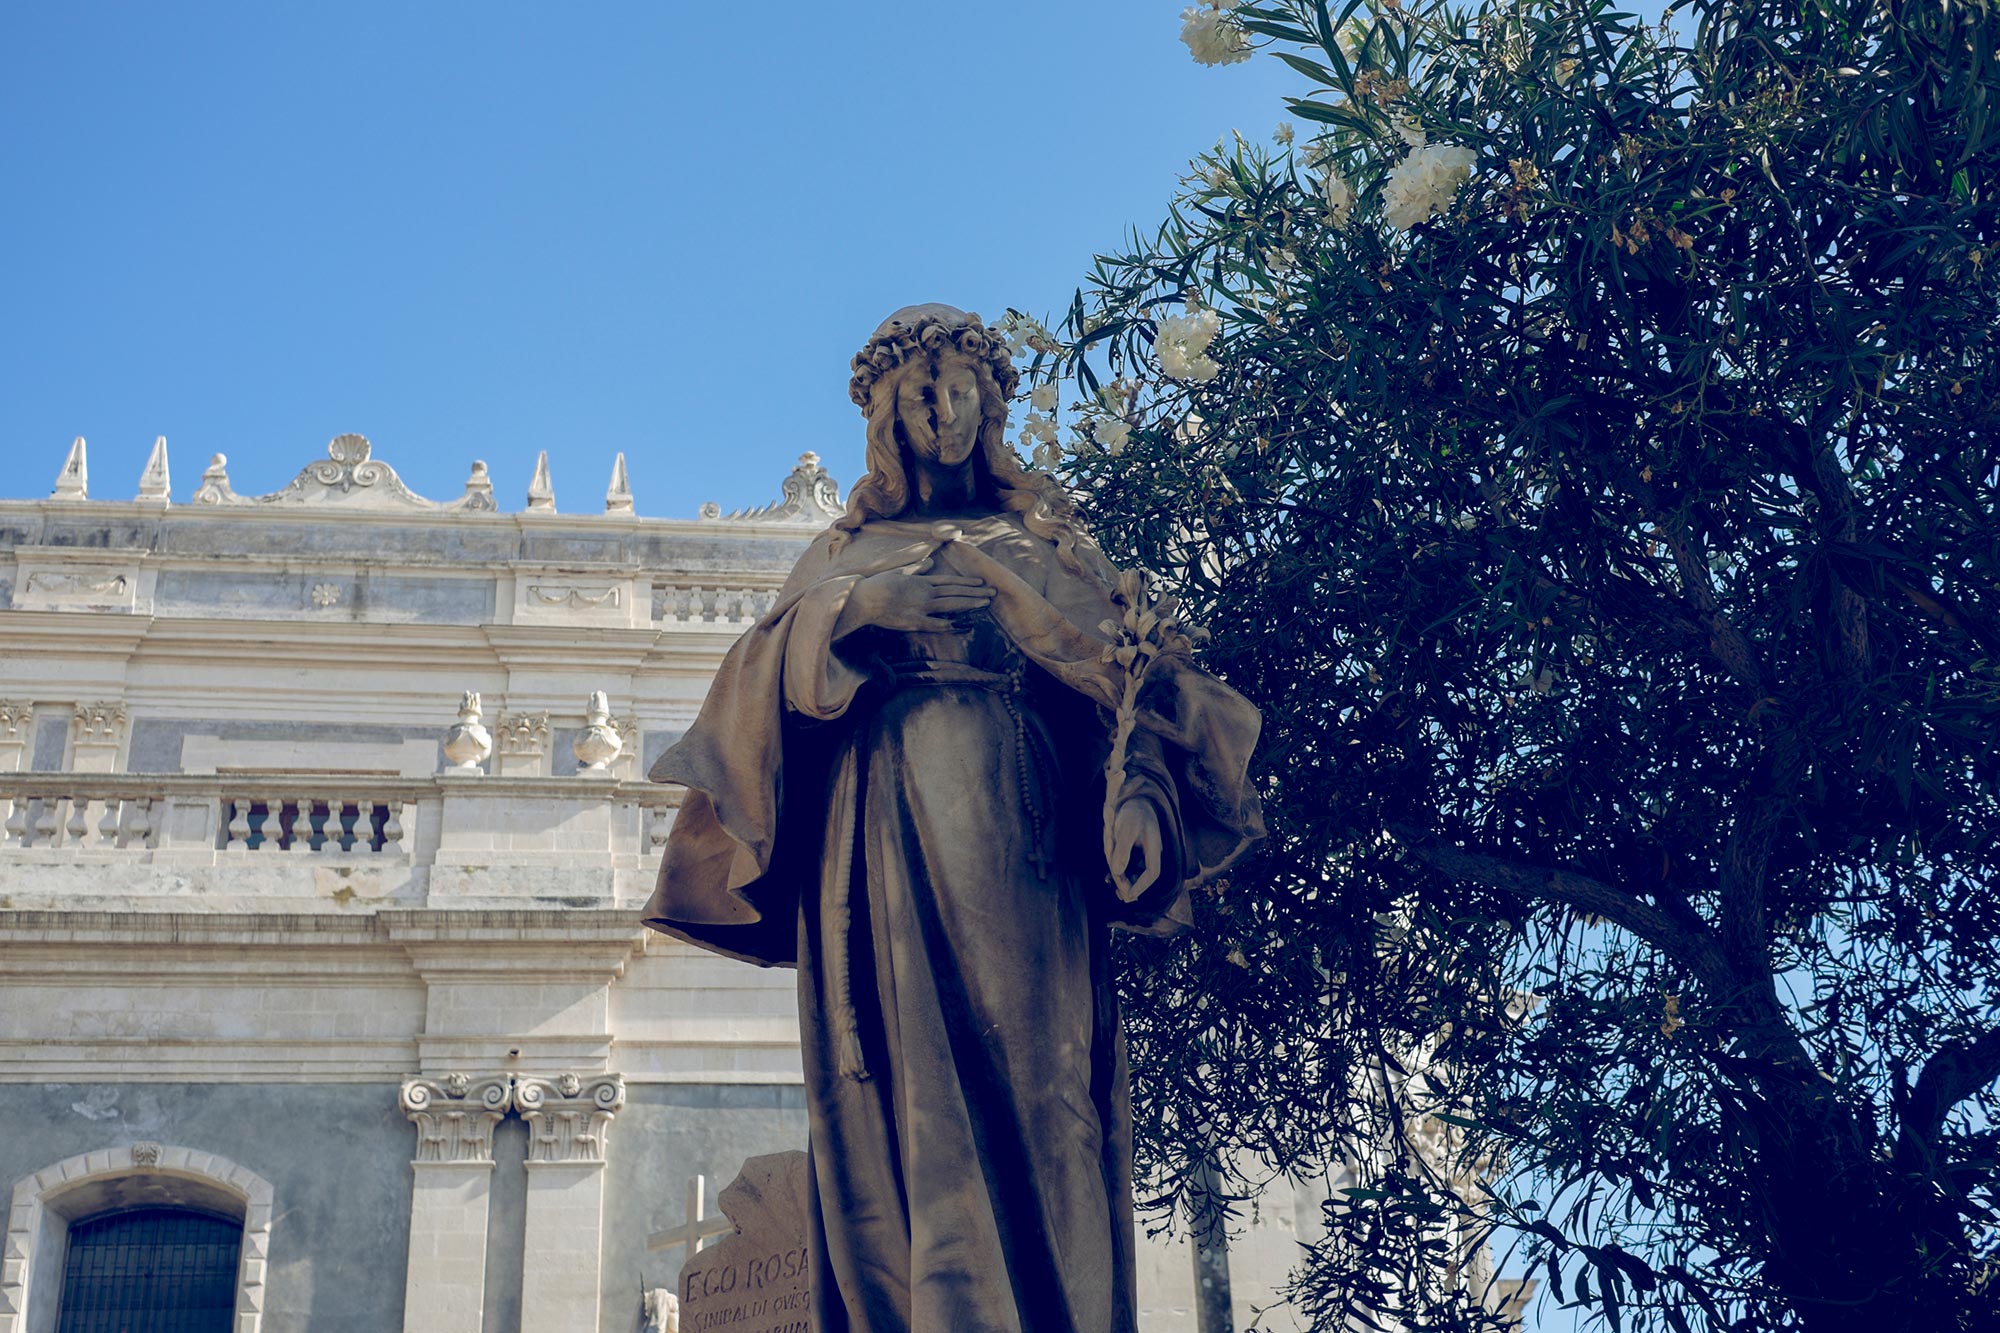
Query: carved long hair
x=918 y=340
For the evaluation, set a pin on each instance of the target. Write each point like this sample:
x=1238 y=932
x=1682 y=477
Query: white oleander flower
x=1038 y=427
x=1408 y=130
x=1046 y=455
x=1283 y=134
x=1219 y=176
x=1279 y=262
x=1422 y=185
x=1352 y=39
x=1181 y=342
x=1023 y=333
x=1566 y=71
x=1214 y=36
x=1044 y=397
x=1339 y=198
x=1112 y=436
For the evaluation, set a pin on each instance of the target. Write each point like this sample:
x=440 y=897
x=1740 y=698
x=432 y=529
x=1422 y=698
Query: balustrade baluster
x=136 y=829
x=392 y=827
x=336 y=825
x=302 y=827
x=107 y=827
x=45 y=822
x=17 y=822
x=658 y=822
x=78 y=826
x=239 y=824
x=271 y=829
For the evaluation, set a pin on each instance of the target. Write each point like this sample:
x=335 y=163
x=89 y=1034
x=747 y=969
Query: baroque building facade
x=325 y=831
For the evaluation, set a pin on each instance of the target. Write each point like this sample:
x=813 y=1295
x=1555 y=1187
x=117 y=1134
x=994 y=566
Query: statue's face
x=941 y=415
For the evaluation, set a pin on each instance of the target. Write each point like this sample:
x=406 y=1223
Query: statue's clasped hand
x=1135 y=848
x=913 y=600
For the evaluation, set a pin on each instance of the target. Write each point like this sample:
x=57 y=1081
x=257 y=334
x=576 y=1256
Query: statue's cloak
x=742 y=851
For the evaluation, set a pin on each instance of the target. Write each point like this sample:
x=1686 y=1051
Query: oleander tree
x=1582 y=440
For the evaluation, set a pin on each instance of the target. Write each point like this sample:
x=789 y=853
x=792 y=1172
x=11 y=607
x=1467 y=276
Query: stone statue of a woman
x=897 y=785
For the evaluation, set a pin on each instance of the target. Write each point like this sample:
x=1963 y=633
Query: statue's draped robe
x=914 y=821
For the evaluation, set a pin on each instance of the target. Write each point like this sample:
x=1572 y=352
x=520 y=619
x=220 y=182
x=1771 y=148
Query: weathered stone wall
x=337 y=1158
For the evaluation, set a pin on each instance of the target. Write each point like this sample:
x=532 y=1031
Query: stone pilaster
x=96 y=734
x=521 y=744
x=568 y=1118
x=445 y=1285
x=17 y=734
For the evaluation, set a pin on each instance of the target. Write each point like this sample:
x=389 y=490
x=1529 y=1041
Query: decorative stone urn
x=467 y=744
x=599 y=742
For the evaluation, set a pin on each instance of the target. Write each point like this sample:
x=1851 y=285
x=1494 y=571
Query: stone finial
x=73 y=482
x=155 y=484
x=478 y=489
x=215 y=488
x=618 y=496
x=599 y=742
x=467 y=744
x=541 y=492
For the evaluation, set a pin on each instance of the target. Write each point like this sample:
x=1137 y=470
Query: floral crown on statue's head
x=925 y=330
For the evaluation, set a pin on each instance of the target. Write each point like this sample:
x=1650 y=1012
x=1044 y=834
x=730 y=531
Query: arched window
x=118 y=1223
x=151 y=1270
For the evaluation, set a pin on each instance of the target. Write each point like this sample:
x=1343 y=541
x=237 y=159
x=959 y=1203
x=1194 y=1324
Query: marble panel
x=159 y=743
x=51 y=738
x=379 y=598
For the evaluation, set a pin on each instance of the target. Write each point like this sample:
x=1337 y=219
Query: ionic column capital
x=568 y=1115
x=455 y=1115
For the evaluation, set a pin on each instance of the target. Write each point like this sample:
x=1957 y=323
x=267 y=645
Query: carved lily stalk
x=1149 y=630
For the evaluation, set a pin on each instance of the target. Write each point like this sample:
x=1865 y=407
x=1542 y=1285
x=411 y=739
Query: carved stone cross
x=696 y=1229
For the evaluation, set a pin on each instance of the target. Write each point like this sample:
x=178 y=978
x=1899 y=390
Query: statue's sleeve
x=723 y=883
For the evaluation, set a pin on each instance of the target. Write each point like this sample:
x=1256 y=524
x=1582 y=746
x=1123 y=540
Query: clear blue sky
x=479 y=230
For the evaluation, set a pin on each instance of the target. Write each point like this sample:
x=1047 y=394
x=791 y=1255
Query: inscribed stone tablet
x=755 y=1281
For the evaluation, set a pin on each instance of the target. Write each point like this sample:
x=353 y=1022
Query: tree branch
x=1688 y=943
x=1958 y=1070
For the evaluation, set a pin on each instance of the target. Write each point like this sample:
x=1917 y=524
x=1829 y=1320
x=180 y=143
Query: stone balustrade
x=217 y=819
x=694 y=605
x=137 y=814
